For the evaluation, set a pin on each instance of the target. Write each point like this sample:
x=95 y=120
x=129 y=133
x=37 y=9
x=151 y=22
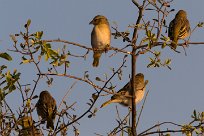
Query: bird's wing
x=184 y=30
x=170 y=30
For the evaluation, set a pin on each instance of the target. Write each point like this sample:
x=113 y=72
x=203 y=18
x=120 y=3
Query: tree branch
x=89 y=109
x=133 y=62
x=85 y=47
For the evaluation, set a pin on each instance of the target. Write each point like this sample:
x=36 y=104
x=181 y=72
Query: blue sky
x=174 y=94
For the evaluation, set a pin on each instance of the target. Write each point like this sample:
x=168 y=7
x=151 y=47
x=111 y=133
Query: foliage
x=33 y=49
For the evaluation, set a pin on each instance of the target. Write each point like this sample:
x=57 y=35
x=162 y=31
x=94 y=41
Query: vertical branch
x=133 y=64
x=133 y=91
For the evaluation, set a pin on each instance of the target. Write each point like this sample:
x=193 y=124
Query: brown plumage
x=47 y=108
x=123 y=96
x=100 y=37
x=179 y=28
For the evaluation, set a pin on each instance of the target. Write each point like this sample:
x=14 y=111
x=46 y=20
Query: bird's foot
x=107 y=48
x=185 y=45
x=175 y=50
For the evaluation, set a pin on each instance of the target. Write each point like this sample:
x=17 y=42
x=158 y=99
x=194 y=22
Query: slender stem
x=89 y=109
x=142 y=108
x=133 y=61
x=85 y=47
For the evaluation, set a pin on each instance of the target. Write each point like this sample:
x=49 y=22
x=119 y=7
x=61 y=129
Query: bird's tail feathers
x=96 y=57
x=106 y=103
x=110 y=101
x=50 y=123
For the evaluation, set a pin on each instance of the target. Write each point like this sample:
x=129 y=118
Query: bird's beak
x=91 y=22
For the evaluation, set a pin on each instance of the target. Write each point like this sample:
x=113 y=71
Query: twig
x=85 y=47
x=122 y=121
x=94 y=101
x=66 y=94
x=77 y=78
x=138 y=119
x=159 y=125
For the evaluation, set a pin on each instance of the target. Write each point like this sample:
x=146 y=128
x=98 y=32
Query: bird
x=47 y=108
x=123 y=96
x=100 y=37
x=179 y=28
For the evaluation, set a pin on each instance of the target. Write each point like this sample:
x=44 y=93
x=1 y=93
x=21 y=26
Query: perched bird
x=47 y=108
x=100 y=37
x=179 y=28
x=123 y=96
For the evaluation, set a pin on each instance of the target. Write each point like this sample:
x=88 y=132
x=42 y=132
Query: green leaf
x=55 y=63
x=150 y=65
x=194 y=113
x=148 y=33
x=6 y=56
x=87 y=76
x=24 y=60
x=35 y=97
x=157 y=53
x=98 y=79
x=163 y=45
x=168 y=61
x=164 y=38
x=28 y=22
x=3 y=67
x=53 y=52
x=94 y=96
x=2 y=95
x=95 y=110
x=145 y=40
x=200 y=24
x=156 y=65
x=39 y=34
x=152 y=60
x=89 y=116
x=46 y=57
